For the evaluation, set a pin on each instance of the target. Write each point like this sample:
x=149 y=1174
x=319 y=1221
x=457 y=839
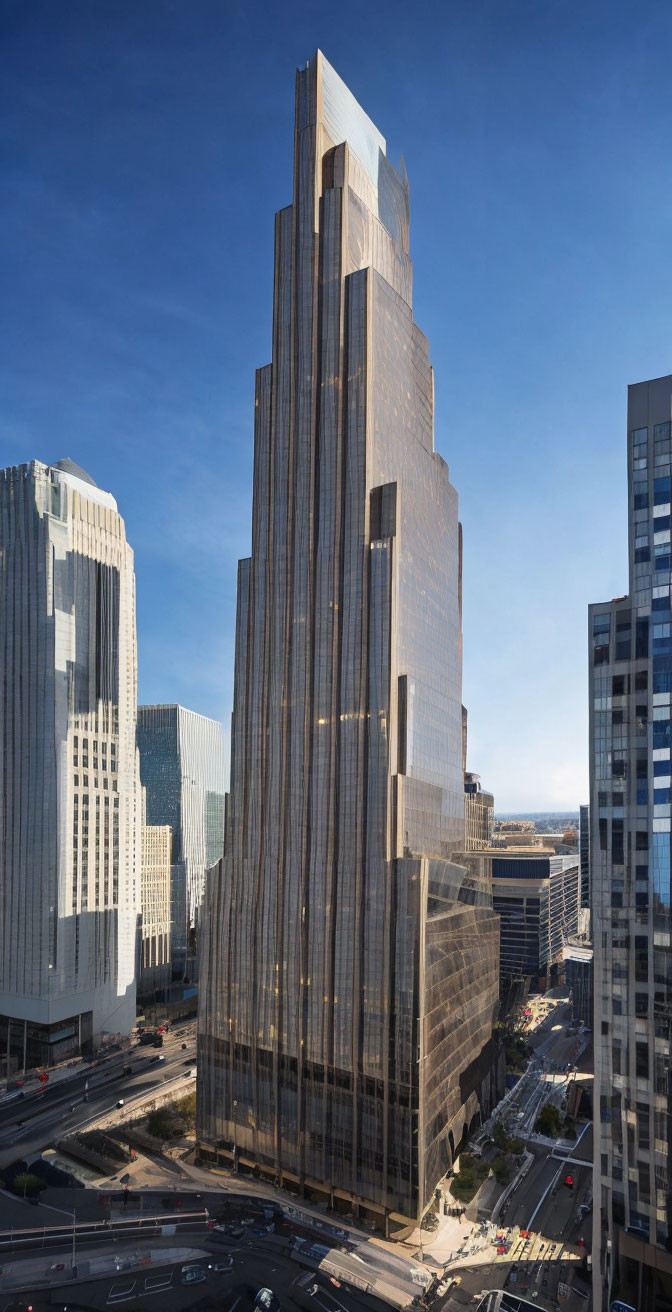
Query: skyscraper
x=630 y=687
x=155 y=969
x=70 y=812
x=349 y=969
x=182 y=769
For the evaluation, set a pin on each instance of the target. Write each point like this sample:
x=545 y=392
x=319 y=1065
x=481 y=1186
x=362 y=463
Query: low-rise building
x=478 y=814
x=537 y=896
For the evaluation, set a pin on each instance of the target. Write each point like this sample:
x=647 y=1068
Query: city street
x=141 y=1274
x=49 y=1112
x=541 y=1202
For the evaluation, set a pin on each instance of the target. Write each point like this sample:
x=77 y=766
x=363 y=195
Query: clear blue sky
x=147 y=145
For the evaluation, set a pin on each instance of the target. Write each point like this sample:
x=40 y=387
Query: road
x=47 y=1113
x=542 y=1202
x=141 y=1271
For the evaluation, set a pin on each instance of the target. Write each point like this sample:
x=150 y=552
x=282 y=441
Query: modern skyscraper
x=630 y=688
x=349 y=969
x=182 y=769
x=70 y=812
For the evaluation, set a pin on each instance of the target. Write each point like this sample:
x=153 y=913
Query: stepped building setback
x=349 y=970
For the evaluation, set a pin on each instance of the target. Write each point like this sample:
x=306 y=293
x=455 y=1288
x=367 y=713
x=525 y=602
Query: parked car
x=193 y=1274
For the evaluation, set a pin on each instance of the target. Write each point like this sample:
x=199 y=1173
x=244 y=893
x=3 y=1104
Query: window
x=661 y=734
x=618 y=685
x=660 y=524
x=642 y=1060
x=641 y=958
x=642 y=555
x=661 y=491
x=642 y=840
x=640 y=496
x=641 y=681
x=662 y=674
x=617 y=842
x=661 y=436
x=642 y=639
x=617 y=717
x=661 y=767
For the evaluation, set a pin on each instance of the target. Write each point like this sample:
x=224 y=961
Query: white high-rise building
x=70 y=791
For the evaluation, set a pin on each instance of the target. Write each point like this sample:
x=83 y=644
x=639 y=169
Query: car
x=184 y=1047
x=267 y=1300
x=57 y=1266
x=225 y=1264
x=261 y=1230
x=233 y=1231
x=502 y=1248
x=120 y=1102
x=193 y=1276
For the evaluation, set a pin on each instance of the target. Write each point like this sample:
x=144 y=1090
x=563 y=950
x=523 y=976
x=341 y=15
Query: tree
x=549 y=1121
x=27 y=1185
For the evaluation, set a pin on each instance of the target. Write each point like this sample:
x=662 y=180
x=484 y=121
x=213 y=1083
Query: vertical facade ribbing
x=328 y=917
x=69 y=822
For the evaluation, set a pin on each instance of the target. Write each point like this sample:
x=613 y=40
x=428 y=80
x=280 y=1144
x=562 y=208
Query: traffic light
x=569 y=1181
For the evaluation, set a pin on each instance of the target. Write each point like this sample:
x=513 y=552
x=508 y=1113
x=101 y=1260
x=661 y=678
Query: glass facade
x=326 y=1052
x=630 y=681
x=538 y=900
x=182 y=770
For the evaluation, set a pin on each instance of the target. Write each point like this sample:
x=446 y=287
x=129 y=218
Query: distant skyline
x=146 y=149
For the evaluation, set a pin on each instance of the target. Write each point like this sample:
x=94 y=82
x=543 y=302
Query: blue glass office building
x=630 y=781
x=182 y=768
